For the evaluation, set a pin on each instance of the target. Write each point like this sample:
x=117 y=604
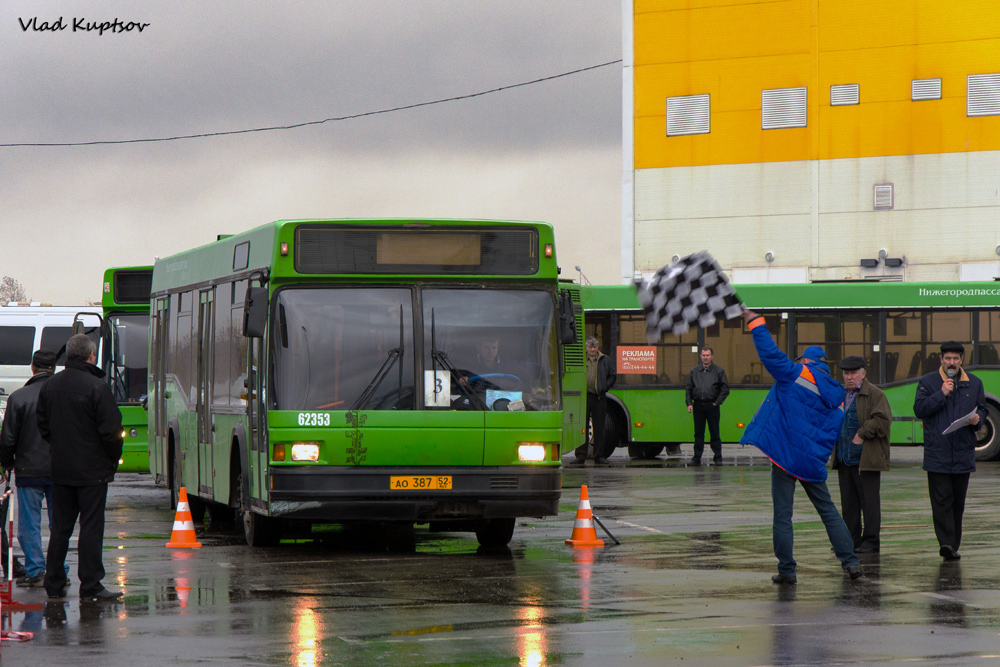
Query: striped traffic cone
x=584 y=534
x=183 y=533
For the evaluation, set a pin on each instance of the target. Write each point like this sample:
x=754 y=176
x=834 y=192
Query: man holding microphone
x=944 y=397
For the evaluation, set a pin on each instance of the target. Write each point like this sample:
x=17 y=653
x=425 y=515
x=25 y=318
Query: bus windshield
x=126 y=364
x=495 y=349
x=343 y=349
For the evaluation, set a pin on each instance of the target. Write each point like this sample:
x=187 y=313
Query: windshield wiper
x=390 y=360
x=441 y=357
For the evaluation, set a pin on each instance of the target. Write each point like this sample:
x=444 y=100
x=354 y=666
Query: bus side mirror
x=567 y=320
x=255 y=312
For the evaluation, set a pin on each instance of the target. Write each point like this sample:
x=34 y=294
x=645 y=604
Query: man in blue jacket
x=797 y=427
x=943 y=397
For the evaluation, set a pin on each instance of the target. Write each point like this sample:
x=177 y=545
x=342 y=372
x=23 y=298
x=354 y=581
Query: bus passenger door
x=158 y=457
x=204 y=394
x=257 y=433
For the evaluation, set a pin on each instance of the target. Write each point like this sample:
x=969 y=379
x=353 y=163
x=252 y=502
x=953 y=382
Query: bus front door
x=158 y=464
x=204 y=395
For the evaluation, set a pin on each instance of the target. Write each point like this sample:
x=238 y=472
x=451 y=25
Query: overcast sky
x=549 y=151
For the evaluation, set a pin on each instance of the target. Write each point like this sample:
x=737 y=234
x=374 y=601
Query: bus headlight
x=530 y=452
x=305 y=451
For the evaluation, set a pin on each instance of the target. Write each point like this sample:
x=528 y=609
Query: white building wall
x=740 y=212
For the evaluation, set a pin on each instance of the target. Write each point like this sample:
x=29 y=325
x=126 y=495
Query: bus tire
x=614 y=428
x=495 y=533
x=259 y=530
x=988 y=438
x=195 y=504
x=647 y=451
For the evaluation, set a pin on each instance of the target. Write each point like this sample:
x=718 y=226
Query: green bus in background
x=330 y=371
x=125 y=334
x=896 y=326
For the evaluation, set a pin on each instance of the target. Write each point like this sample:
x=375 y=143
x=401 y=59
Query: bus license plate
x=420 y=482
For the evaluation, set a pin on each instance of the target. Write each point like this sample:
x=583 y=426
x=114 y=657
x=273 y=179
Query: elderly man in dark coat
x=952 y=404
x=862 y=453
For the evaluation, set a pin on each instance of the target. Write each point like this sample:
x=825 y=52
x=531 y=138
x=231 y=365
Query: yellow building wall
x=734 y=49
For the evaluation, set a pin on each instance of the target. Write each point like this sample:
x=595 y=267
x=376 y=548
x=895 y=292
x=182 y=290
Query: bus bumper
x=364 y=494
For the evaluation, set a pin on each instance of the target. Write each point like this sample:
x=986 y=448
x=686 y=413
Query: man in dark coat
x=707 y=387
x=78 y=416
x=862 y=453
x=23 y=450
x=944 y=397
x=601 y=377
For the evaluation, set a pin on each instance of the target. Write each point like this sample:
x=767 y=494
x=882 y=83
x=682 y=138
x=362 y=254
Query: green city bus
x=332 y=371
x=896 y=326
x=124 y=352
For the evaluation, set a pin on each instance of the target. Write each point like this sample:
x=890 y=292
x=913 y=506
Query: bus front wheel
x=259 y=530
x=988 y=437
x=495 y=533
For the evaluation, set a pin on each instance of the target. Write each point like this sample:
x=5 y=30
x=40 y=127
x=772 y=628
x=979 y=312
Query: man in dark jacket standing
x=797 y=427
x=862 y=454
x=601 y=376
x=23 y=449
x=945 y=396
x=707 y=387
x=78 y=416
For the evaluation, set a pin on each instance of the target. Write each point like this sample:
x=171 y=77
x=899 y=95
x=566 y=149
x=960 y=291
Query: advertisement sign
x=637 y=359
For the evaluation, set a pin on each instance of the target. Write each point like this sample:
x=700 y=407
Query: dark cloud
x=204 y=67
x=544 y=152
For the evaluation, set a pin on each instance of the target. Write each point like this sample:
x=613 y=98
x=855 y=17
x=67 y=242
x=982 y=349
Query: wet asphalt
x=689 y=585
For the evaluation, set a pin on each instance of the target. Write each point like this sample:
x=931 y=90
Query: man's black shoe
x=580 y=460
x=600 y=460
x=695 y=462
x=855 y=572
x=948 y=553
x=31 y=582
x=717 y=461
x=19 y=570
x=867 y=549
x=103 y=595
x=784 y=578
x=61 y=593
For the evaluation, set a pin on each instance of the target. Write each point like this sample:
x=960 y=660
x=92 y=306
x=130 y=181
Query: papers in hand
x=959 y=423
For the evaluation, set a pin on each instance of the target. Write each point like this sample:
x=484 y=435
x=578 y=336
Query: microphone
x=950 y=373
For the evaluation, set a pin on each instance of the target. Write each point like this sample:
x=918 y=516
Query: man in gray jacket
x=23 y=449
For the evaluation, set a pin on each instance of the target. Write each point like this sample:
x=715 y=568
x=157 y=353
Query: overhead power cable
x=316 y=122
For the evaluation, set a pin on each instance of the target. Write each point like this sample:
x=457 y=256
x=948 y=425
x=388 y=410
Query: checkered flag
x=693 y=291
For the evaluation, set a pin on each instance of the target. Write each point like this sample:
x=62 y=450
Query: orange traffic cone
x=584 y=534
x=183 y=534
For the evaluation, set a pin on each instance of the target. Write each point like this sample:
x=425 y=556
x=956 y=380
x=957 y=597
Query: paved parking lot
x=690 y=584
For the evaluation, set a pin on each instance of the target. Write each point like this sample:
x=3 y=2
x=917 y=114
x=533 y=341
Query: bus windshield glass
x=343 y=349
x=492 y=349
x=126 y=364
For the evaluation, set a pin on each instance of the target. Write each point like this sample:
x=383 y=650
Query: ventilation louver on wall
x=782 y=108
x=842 y=95
x=925 y=89
x=983 y=91
x=883 y=197
x=688 y=114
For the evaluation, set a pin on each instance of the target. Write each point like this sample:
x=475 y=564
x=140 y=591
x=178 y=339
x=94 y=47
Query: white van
x=26 y=327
